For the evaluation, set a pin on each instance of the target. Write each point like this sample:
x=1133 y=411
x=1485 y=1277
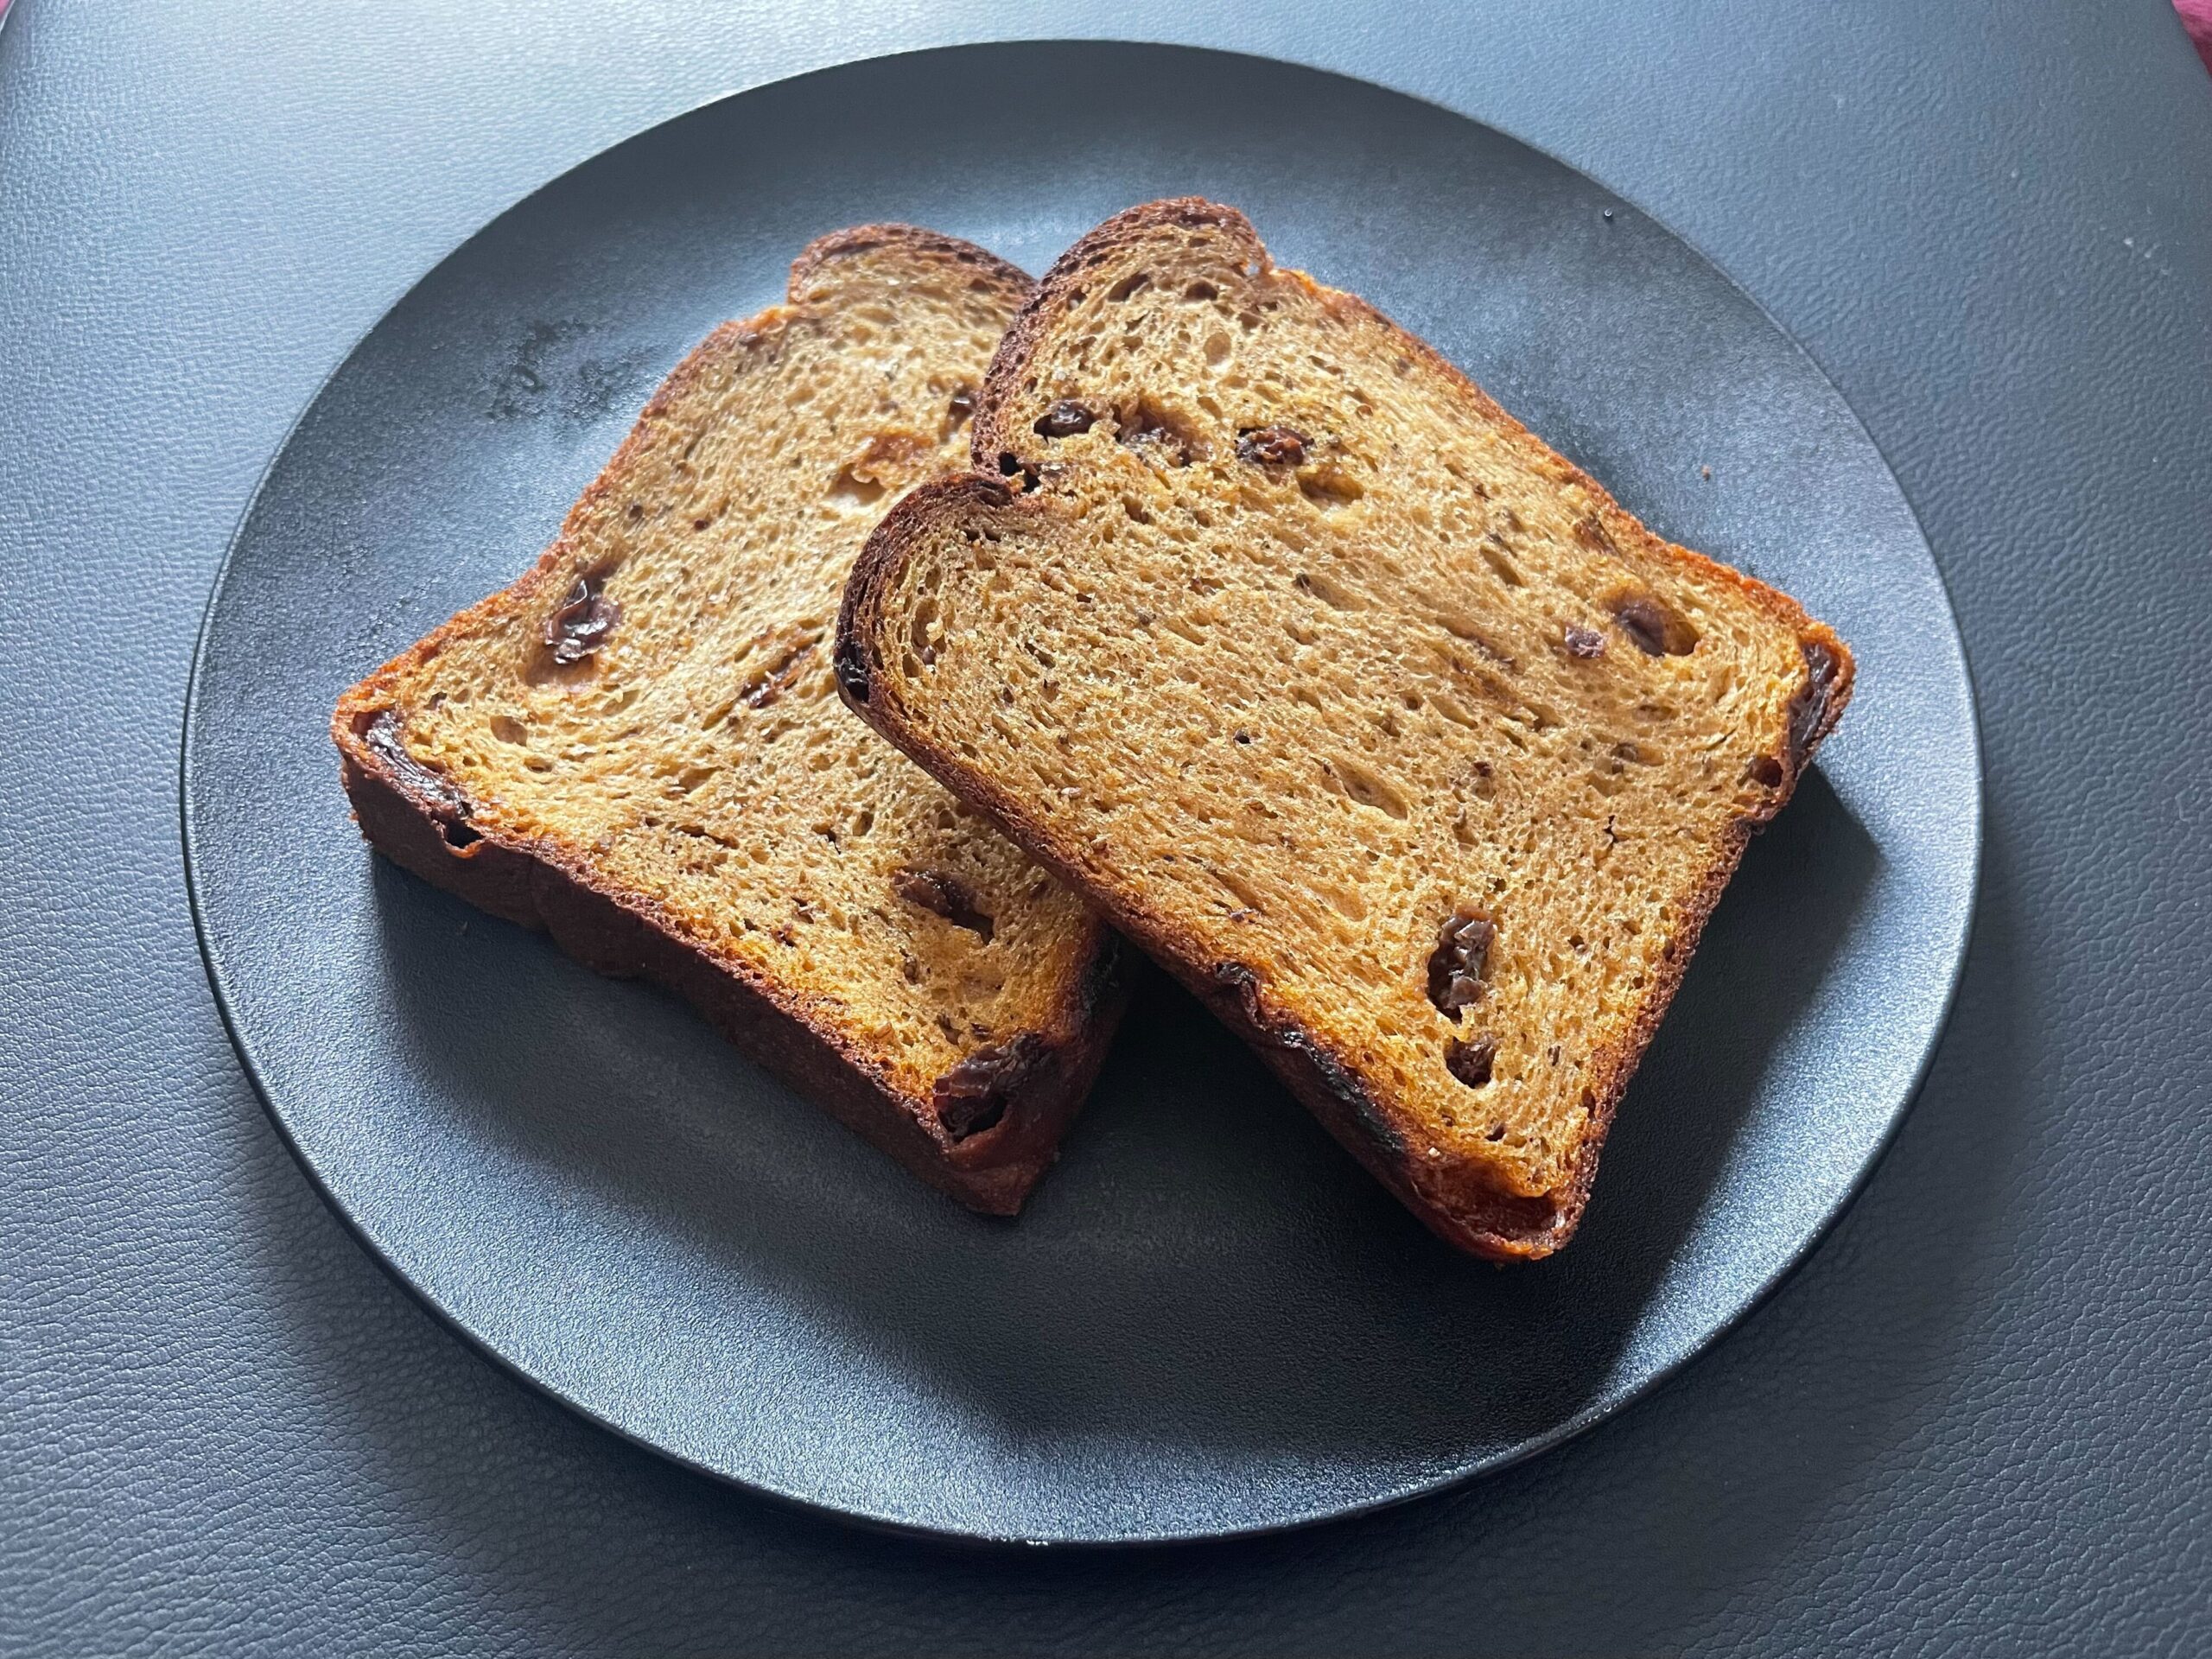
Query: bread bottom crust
x=991 y=1172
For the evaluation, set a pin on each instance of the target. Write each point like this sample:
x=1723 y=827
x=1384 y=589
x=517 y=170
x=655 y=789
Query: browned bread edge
x=859 y=239
x=1470 y=1215
x=421 y=821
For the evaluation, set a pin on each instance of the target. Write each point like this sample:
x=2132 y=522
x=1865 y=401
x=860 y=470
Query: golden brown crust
x=1466 y=1212
x=423 y=821
x=984 y=266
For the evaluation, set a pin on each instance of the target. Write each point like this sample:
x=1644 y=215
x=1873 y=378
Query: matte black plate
x=1210 y=1321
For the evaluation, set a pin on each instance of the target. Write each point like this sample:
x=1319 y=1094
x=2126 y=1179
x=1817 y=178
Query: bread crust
x=1464 y=1211
x=422 y=822
x=860 y=238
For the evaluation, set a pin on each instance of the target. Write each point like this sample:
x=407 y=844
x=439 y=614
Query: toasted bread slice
x=637 y=745
x=1375 y=721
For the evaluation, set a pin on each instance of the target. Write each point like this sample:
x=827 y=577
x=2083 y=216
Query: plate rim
x=1455 y=1478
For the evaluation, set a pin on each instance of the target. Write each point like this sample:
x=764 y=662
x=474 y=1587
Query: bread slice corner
x=638 y=746
x=1374 y=719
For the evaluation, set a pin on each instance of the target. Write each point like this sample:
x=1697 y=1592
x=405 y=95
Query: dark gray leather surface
x=1979 y=1420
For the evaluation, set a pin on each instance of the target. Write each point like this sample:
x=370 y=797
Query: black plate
x=1209 y=1321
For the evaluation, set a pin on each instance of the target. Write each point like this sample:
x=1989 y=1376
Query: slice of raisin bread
x=1375 y=721
x=637 y=745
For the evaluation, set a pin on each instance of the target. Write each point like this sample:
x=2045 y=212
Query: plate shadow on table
x=1204 y=1266
x=1897 y=1295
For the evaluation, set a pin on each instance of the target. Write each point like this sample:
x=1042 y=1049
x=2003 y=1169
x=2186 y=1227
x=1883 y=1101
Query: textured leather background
x=1979 y=1420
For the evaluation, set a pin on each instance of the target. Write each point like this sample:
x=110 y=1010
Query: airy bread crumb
x=1374 y=719
x=638 y=745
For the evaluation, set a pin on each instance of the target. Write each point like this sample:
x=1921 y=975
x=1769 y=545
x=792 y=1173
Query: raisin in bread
x=638 y=746
x=1375 y=721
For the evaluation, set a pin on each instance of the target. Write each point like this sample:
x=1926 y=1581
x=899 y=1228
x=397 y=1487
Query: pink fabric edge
x=2195 y=18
